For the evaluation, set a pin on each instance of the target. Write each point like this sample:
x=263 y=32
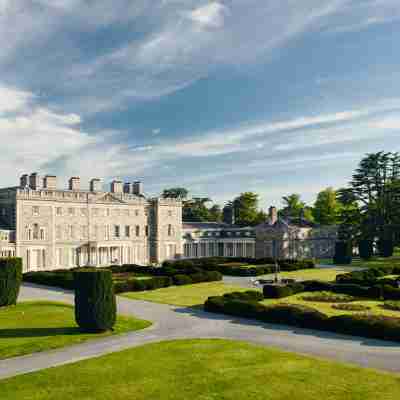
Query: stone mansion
x=53 y=228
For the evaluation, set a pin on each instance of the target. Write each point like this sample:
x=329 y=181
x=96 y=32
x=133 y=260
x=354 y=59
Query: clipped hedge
x=280 y=291
x=10 y=280
x=378 y=327
x=95 y=303
x=343 y=253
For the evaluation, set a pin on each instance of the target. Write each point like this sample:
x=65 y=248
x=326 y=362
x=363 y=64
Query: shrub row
x=369 y=276
x=64 y=279
x=139 y=285
x=385 y=292
x=261 y=266
x=10 y=280
x=377 y=327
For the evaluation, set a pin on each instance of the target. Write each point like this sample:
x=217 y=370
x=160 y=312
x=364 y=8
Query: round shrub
x=95 y=303
x=212 y=276
x=181 y=279
x=10 y=280
x=350 y=307
x=276 y=291
x=249 y=295
x=392 y=305
x=328 y=297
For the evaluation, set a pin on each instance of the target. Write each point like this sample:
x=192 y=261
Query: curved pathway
x=172 y=322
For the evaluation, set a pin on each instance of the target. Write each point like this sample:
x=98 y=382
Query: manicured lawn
x=36 y=326
x=204 y=370
x=326 y=308
x=187 y=295
x=321 y=274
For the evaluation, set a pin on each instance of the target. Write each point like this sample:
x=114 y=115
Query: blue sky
x=221 y=97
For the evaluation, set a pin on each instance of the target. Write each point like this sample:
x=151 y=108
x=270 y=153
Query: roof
x=212 y=225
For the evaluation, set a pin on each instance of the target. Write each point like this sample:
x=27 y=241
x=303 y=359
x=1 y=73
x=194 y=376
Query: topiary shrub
x=392 y=305
x=385 y=248
x=95 y=303
x=343 y=253
x=350 y=307
x=249 y=295
x=366 y=249
x=181 y=279
x=328 y=297
x=10 y=280
x=276 y=291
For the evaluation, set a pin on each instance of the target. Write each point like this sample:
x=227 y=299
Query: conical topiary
x=10 y=280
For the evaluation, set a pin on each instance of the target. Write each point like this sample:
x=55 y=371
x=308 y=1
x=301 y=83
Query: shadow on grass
x=199 y=312
x=38 y=332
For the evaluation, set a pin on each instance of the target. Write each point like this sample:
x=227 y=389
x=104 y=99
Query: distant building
x=53 y=228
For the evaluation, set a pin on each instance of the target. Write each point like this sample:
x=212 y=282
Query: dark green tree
x=176 y=193
x=10 y=280
x=246 y=209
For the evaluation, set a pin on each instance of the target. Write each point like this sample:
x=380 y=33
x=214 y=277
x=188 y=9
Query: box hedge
x=95 y=303
x=10 y=280
x=378 y=327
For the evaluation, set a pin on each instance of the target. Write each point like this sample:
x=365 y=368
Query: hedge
x=261 y=266
x=10 y=280
x=95 y=303
x=378 y=327
x=343 y=253
x=280 y=291
x=385 y=247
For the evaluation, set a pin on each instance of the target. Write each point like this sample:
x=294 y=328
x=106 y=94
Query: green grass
x=37 y=326
x=203 y=370
x=321 y=274
x=376 y=307
x=186 y=295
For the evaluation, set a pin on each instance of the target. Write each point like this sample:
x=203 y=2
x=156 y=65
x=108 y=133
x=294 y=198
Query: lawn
x=326 y=308
x=321 y=274
x=187 y=295
x=37 y=326
x=204 y=370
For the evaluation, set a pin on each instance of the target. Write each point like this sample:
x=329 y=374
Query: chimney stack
x=50 y=182
x=34 y=181
x=95 y=185
x=74 y=183
x=137 y=188
x=116 y=186
x=128 y=187
x=273 y=215
x=24 y=181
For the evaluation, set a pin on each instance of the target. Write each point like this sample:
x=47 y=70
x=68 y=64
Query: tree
x=196 y=209
x=327 y=207
x=246 y=209
x=293 y=206
x=375 y=186
x=176 y=193
x=215 y=213
x=10 y=280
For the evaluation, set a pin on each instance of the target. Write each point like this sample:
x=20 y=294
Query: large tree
x=246 y=209
x=327 y=208
x=376 y=187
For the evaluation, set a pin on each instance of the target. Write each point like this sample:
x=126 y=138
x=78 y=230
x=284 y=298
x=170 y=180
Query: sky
x=220 y=97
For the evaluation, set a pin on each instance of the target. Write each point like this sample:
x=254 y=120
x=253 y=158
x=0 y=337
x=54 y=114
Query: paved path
x=178 y=323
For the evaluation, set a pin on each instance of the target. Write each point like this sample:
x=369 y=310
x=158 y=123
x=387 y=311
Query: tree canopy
x=327 y=207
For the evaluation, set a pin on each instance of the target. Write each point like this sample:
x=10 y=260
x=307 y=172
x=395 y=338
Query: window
x=169 y=230
x=29 y=234
x=106 y=232
x=42 y=234
x=95 y=212
x=136 y=213
x=83 y=212
x=169 y=213
x=84 y=232
x=35 y=232
x=71 y=211
x=3 y=212
x=147 y=230
x=71 y=232
x=107 y=212
x=137 y=228
x=58 y=211
x=127 y=231
x=35 y=210
x=58 y=232
x=117 y=231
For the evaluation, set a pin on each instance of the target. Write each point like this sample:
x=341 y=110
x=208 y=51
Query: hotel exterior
x=53 y=228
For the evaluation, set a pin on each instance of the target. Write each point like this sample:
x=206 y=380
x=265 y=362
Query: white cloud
x=210 y=15
x=13 y=99
x=391 y=122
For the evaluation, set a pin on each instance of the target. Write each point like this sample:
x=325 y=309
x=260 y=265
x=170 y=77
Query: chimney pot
x=137 y=188
x=95 y=185
x=116 y=186
x=34 y=181
x=74 y=183
x=50 y=182
x=273 y=215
